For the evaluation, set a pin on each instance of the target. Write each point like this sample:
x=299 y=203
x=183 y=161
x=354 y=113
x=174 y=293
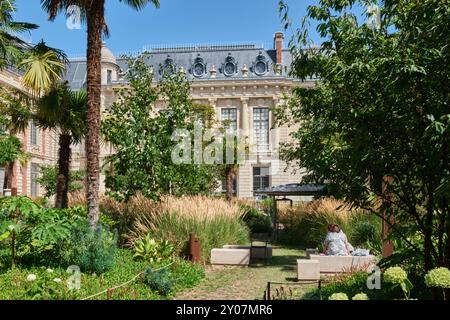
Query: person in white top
x=336 y=242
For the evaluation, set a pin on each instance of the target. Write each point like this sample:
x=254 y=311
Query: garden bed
x=15 y=286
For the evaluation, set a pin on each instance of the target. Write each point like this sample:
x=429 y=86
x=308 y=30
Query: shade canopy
x=293 y=189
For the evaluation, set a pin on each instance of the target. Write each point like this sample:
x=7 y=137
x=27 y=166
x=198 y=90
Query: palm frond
x=42 y=67
x=64 y=109
x=140 y=4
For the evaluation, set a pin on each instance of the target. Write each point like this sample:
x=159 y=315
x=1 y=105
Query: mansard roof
x=230 y=62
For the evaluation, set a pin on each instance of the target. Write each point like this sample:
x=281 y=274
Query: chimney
x=278 y=44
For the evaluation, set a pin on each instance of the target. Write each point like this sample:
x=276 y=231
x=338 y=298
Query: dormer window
x=260 y=66
x=199 y=67
x=229 y=68
x=168 y=66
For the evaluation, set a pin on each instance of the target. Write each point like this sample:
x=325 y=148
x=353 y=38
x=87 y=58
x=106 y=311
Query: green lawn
x=238 y=283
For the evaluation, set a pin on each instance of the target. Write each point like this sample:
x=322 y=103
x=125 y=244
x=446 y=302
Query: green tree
x=11 y=46
x=61 y=110
x=49 y=178
x=143 y=144
x=380 y=111
x=11 y=151
x=93 y=12
x=64 y=111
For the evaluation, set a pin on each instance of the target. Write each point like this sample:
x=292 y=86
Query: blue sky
x=176 y=22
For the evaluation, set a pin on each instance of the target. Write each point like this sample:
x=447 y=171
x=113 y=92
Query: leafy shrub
x=159 y=280
x=257 y=221
x=43 y=232
x=91 y=250
x=148 y=249
x=356 y=283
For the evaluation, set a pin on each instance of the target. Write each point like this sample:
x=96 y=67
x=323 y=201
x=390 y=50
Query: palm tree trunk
x=62 y=182
x=229 y=182
x=94 y=13
x=9 y=172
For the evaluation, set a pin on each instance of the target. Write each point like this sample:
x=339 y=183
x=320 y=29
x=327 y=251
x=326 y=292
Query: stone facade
x=244 y=81
x=41 y=145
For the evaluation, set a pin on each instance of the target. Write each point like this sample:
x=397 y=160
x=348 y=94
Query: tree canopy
x=141 y=136
x=379 y=112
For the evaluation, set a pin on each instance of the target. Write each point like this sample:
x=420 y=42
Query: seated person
x=336 y=243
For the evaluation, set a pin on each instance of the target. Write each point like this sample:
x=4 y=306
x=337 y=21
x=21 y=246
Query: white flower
x=31 y=277
x=57 y=280
x=50 y=270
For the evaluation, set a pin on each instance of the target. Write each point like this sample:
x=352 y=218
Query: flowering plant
x=438 y=278
x=338 y=296
x=360 y=296
x=398 y=277
x=45 y=285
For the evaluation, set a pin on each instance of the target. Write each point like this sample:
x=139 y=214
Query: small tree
x=141 y=136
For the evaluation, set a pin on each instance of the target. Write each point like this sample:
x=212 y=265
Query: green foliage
x=148 y=249
x=187 y=274
x=91 y=250
x=14 y=212
x=142 y=161
x=257 y=221
x=44 y=231
x=11 y=45
x=356 y=283
x=47 y=180
x=379 y=110
x=11 y=149
x=14 y=284
x=159 y=280
x=46 y=285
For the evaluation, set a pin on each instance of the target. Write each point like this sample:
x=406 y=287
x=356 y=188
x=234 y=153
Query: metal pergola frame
x=294 y=189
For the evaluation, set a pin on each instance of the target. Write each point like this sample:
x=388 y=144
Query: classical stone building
x=242 y=82
x=41 y=145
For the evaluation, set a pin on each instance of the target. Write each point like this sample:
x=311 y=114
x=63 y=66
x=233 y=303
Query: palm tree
x=43 y=66
x=64 y=111
x=93 y=12
x=61 y=110
x=11 y=46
